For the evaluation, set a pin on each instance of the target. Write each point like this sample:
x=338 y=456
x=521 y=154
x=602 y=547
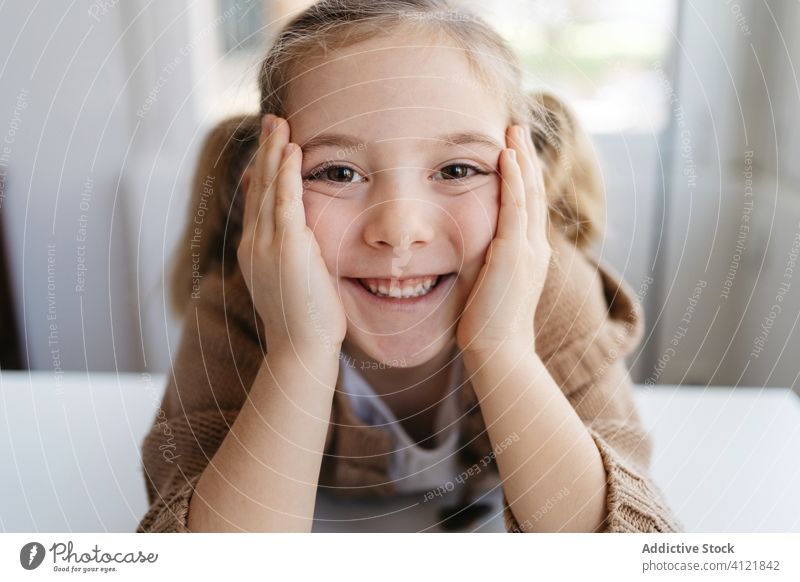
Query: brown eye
x=459 y=171
x=338 y=174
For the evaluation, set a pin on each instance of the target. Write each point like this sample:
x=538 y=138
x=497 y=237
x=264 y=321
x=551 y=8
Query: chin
x=401 y=335
x=397 y=352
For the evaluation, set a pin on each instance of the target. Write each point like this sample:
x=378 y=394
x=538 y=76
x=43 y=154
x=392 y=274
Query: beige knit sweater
x=586 y=321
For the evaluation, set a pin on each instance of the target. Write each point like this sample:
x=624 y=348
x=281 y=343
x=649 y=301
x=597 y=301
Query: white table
x=727 y=459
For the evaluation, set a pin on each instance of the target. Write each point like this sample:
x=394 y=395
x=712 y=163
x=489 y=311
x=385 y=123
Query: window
x=605 y=57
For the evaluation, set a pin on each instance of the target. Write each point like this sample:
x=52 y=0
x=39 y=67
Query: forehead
x=393 y=87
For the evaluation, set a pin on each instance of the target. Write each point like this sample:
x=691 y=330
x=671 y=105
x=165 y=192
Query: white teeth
x=405 y=292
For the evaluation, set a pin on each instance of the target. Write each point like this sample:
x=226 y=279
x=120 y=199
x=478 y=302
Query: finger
x=511 y=222
x=275 y=142
x=256 y=186
x=289 y=213
x=531 y=176
x=538 y=211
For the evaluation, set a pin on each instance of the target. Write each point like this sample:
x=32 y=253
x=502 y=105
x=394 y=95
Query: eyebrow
x=348 y=142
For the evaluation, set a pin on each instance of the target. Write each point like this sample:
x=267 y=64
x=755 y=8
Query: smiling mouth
x=407 y=288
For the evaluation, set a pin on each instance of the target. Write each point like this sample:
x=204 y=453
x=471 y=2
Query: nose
x=401 y=224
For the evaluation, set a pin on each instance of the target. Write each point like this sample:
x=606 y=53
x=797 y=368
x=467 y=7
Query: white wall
x=83 y=163
x=66 y=72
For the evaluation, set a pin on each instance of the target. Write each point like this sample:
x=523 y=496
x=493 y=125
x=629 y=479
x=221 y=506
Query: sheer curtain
x=724 y=258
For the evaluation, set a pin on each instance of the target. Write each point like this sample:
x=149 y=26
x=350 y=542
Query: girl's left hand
x=501 y=306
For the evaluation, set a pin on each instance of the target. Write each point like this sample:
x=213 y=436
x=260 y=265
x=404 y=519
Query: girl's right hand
x=291 y=287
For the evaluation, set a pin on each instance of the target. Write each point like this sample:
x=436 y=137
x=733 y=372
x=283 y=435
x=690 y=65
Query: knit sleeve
x=634 y=503
x=587 y=322
x=217 y=360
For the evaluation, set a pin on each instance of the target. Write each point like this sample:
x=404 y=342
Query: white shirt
x=411 y=467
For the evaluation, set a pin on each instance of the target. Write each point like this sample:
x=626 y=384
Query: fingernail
x=513 y=154
x=288 y=149
x=274 y=125
x=266 y=122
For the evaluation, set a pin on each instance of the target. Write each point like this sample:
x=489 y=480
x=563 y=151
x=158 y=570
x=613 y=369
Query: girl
x=403 y=300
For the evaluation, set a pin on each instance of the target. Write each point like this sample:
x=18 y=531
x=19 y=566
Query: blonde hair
x=571 y=173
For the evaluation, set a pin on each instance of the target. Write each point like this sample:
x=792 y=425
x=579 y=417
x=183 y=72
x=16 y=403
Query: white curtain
x=730 y=201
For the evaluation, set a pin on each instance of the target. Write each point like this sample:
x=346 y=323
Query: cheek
x=328 y=221
x=476 y=218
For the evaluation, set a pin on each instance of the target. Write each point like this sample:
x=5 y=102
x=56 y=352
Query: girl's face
x=400 y=156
